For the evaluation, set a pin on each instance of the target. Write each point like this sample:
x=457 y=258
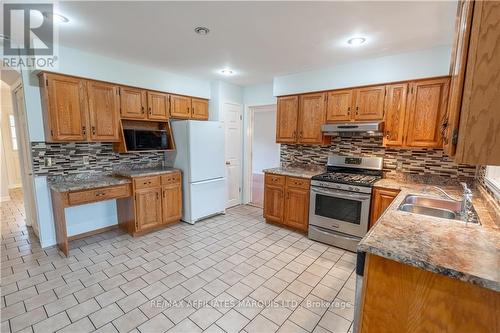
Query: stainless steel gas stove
x=340 y=200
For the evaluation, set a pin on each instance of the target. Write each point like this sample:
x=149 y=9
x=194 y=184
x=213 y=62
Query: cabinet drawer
x=297 y=182
x=106 y=193
x=147 y=182
x=272 y=179
x=171 y=178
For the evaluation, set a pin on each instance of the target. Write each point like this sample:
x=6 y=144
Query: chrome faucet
x=466 y=200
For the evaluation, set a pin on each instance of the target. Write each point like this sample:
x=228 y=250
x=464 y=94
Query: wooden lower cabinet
x=148 y=208
x=398 y=298
x=172 y=203
x=381 y=199
x=286 y=201
x=156 y=202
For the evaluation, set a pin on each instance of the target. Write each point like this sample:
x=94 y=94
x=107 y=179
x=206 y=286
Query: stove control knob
x=356 y=189
x=350 y=188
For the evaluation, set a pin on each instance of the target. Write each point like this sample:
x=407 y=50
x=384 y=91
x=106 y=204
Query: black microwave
x=140 y=139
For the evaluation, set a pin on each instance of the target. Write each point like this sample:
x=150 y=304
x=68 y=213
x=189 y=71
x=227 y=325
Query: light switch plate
x=86 y=160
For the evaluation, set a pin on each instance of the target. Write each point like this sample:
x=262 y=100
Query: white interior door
x=232 y=120
x=25 y=159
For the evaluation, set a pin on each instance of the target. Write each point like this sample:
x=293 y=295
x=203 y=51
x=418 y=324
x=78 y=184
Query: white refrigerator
x=200 y=156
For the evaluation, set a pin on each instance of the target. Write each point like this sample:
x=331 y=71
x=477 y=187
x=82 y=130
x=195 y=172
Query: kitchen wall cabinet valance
x=79 y=109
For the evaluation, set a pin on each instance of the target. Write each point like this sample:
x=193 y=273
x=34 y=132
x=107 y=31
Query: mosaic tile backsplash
x=396 y=161
x=67 y=158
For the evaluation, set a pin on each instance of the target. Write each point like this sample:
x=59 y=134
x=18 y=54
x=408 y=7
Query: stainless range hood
x=358 y=128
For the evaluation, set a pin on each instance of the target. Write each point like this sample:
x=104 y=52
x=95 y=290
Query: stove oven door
x=340 y=211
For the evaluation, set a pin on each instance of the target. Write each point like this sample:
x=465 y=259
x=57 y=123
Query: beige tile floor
x=229 y=273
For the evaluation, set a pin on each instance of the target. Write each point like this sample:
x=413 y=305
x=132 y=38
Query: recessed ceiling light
x=56 y=17
x=356 y=41
x=227 y=72
x=201 y=30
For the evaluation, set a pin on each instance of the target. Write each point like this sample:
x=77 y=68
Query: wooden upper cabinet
x=199 y=108
x=312 y=114
x=395 y=112
x=158 y=106
x=426 y=112
x=458 y=65
x=104 y=111
x=180 y=106
x=478 y=141
x=369 y=103
x=148 y=208
x=286 y=119
x=339 y=106
x=133 y=103
x=65 y=107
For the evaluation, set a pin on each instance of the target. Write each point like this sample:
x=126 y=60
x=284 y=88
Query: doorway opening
x=16 y=183
x=264 y=151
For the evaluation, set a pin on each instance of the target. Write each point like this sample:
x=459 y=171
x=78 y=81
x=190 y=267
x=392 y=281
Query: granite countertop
x=468 y=252
x=297 y=171
x=142 y=172
x=84 y=181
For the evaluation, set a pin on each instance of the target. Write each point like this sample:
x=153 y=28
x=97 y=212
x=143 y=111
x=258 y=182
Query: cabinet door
x=395 y=111
x=180 y=107
x=274 y=198
x=381 y=199
x=199 y=109
x=339 y=106
x=312 y=114
x=67 y=107
x=148 y=208
x=133 y=103
x=104 y=111
x=426 y=113
x=297 y=208
x=369 y=103
x=157 y=106
x=458 y=66
x=286 y=119
x=172 y=203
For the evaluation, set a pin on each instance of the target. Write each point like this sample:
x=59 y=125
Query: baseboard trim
x=92 y=232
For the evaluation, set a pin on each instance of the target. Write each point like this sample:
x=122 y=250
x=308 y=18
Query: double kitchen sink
x=435 y=207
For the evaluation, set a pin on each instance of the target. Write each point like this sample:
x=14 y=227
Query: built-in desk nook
x=147 y=199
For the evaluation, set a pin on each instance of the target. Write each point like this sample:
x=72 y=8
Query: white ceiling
x=259 y=40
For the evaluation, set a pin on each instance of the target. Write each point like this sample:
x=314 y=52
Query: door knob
x=228 y=163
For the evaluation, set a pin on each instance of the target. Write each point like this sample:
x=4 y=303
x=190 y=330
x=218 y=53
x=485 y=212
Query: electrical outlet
x=86 y=160
x=47 y=161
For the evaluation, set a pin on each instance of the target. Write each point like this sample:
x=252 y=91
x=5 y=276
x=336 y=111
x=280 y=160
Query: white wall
x=404 y=66
x=259 y=94
x=221 y=93
x=265 y=150
x=4 y=178
x=11 y=155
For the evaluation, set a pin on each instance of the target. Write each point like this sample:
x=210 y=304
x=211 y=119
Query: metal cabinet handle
x=84 y=129
x=387 y=135
x=142 y=109
x=93 y=130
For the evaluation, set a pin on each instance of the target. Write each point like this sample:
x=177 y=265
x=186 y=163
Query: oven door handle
x=341 y=194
